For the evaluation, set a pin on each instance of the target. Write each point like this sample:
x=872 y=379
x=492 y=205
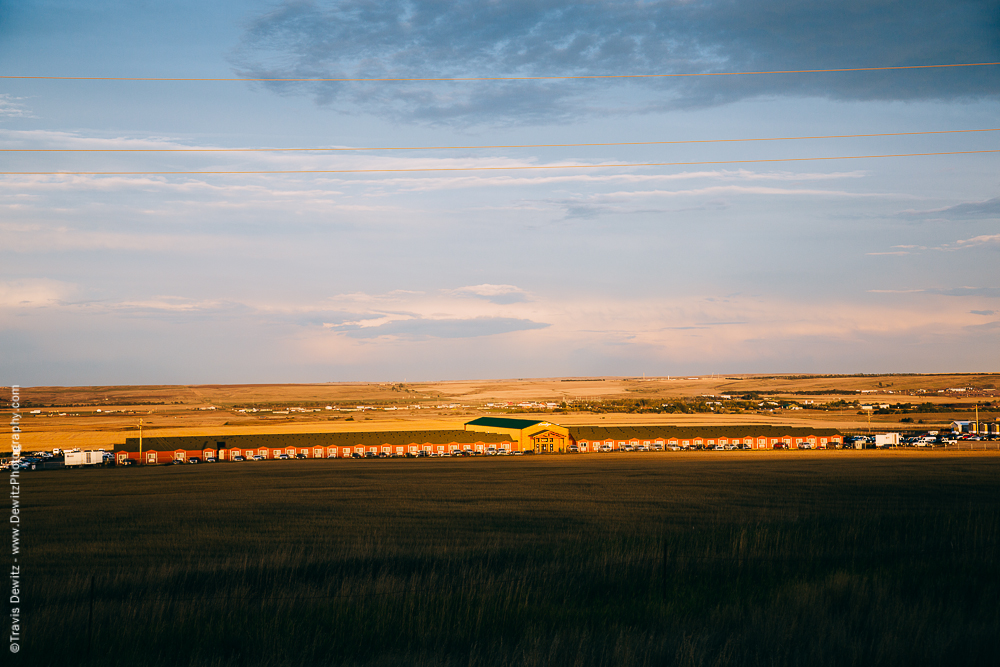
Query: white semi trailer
x=77 y=459
x=886 y=439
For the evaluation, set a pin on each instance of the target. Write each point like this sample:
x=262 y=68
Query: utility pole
x=140 y=442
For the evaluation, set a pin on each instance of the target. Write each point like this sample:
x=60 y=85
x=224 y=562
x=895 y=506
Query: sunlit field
x=769 y=558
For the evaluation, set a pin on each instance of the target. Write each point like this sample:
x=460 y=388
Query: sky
x=483 y=255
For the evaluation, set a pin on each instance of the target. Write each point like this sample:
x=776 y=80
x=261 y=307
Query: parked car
x=258 y=457
x=210 y=459
x=194 y=459
x=239 y=458
x=284 y=457
x=130 y=462
x=300 y=456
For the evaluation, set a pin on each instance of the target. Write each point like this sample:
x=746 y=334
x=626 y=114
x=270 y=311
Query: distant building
x=481 y=435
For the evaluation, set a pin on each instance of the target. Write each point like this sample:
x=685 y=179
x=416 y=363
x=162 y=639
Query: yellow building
x=529 y=434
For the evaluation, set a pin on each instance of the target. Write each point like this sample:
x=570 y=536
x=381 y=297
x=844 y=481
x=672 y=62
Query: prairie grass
x=613 y=560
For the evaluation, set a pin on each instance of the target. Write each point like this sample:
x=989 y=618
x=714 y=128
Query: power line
x=490 y=78
x=428 y=148
x=457 y=169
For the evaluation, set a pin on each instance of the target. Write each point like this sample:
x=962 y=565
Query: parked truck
x=886 y=439
x=78 y=459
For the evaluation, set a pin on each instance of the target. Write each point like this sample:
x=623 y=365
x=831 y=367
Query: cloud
x=419 y=328
x=445 y=335
x=989 y=208
x=591 y=206
x=974 y=242
x=944 y=291
x=983 y=312
x=986 y=239
x=961 y=244
x=471 y=38
x=992 y=292
x=179 y=308
x=11 y=107
x=988 y=326
x=34 y=293
x=499 y=294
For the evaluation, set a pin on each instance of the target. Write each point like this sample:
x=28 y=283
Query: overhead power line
x=458 y=169
x=489 y=78
x=429 y=148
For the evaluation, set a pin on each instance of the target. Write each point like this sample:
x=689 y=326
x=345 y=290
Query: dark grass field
x=679 y=559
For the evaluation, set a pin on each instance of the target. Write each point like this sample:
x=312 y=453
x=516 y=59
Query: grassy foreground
x=701 y=559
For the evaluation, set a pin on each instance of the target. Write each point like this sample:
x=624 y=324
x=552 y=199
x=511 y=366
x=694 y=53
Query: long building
x=483 y=435
x=309 y=445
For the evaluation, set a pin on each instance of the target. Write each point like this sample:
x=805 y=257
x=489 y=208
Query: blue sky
x=834 y=266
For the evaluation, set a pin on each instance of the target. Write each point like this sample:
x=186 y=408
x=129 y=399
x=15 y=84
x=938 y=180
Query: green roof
x=504 y=422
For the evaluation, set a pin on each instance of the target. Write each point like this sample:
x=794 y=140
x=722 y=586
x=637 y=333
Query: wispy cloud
x=974 y=242
x=423 y=328
x=13 y=107
x=944 y=291
x=499 y=294
x=895 y=291
x=989 y=208
x=985 y=239
x=992 y=292
x=466 y=38
x=34 y=292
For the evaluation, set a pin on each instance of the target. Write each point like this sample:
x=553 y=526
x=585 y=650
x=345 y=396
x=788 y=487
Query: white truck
x=886 y=439
x=78 y=459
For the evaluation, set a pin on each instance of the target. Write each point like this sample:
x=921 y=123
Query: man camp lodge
x=486 y=435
